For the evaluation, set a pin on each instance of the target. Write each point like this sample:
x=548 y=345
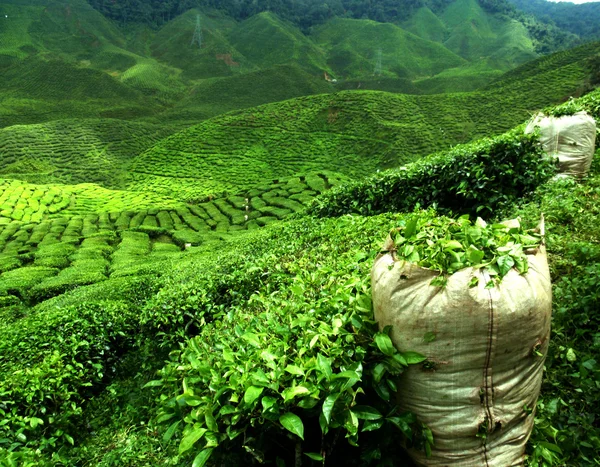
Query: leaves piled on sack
x=449 y=245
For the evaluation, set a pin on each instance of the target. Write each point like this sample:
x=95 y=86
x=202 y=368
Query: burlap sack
x=484 y=368
x=571 y=138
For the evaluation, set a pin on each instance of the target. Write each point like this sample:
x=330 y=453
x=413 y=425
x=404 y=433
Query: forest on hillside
x=308 y=13
x=583 y=20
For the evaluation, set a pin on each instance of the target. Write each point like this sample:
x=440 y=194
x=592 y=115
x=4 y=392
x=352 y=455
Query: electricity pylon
x=378 y=63
x=197 y=39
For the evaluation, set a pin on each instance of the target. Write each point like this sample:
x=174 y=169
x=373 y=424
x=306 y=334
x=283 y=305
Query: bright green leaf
x=293 y=424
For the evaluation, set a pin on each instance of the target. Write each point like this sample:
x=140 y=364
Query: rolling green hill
x=477 y=35
x=265 y=40
x=168 y=292
x=353 y=133
x=64 y=59
x=215 y=96
x=172 y=44
x=353 y=45
x=580 y=19
x=113 y=314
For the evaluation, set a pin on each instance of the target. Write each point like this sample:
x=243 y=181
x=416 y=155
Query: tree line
x=306 y=13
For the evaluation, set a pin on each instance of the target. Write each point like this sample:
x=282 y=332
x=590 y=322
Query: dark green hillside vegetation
x=37 y=90
x=54 y=238
x=309 y=13
x=187 y=231
x=476 y=178
x=542 y=71
x=215 y=96
x=281 y=314
x=265 y=40
x=65 y=60
x=580 y=19
x=172 y=44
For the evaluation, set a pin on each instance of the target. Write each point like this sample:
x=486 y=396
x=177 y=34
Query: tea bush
x=56 y=358
x=477 y=178
x=286 y=359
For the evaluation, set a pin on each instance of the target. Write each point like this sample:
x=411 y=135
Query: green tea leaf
x=328 y=406
x=201 y=459
x=474 y=255
x=413 y=357
x=211 y=423
x=378 y=372
x=294 y=370
x=324 y=364
x=251 y=339
x=411 y=227
x=384 y=343
x=290 y=393
x=365 y=412
x=191 y=438
x=372 y=425
x=171 y=431
x=252 y=393
x=505 y=264
x=293 y=424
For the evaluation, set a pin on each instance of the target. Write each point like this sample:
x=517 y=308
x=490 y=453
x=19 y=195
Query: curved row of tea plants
x=477 y=178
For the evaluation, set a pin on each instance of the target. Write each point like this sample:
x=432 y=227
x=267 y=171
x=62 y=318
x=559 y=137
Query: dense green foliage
x=249 y=291
x=580 y=19
x=567 y=416
x=292 y=360
x=354 y=133
x=65 y=60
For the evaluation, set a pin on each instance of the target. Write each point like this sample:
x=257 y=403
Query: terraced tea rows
x=75 y=151
x=38 y=261
x=33 y=203
x=52 y=241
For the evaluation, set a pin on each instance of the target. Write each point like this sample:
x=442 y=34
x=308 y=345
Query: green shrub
x=49 y=363
x=19 y=281
x=286 y=351
x=476 y=179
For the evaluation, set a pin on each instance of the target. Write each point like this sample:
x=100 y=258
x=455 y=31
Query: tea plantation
x=187 y=233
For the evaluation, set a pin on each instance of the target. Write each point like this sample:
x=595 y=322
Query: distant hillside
x=545 y=71
x=265 y=40
x=215 y=96
x=580 y=19
x=356 y=47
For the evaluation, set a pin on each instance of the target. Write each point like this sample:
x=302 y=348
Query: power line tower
x=197 y=39
x=378 y=63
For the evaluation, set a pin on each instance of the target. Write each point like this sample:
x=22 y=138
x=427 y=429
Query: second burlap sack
x=571 y=138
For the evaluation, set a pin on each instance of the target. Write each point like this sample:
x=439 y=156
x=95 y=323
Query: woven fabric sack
x=571 y=138
x=485 y=350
